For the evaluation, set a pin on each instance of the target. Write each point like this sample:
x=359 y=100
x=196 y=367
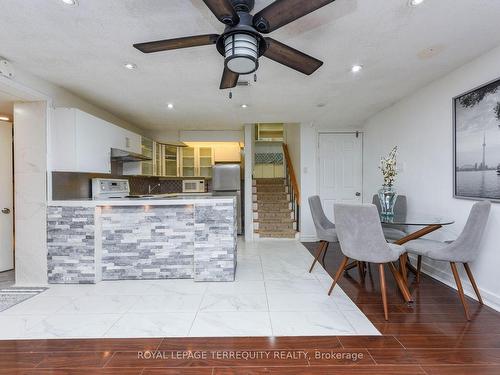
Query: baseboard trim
x=490 y=299
x=308 y=238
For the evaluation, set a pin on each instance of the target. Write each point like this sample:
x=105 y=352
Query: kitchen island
x=168 y=237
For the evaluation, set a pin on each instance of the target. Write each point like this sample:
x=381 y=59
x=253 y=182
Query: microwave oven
x=193 y=186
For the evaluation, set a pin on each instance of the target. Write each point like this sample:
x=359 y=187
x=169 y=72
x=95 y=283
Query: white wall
x=30 y=120
x=421 y=126
x=308 y=181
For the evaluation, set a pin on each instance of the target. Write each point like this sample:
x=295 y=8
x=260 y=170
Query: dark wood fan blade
x=229 y=79
x=282 y=12
x=291 y=57
x=224 y=11
x=169 y=44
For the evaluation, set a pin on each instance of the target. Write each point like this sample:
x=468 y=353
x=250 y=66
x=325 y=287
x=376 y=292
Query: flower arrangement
x=388 y=166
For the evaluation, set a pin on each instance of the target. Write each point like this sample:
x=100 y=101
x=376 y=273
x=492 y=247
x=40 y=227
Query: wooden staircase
x=272 y=209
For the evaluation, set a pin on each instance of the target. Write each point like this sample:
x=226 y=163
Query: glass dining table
x=424 y=224
x=427 y=224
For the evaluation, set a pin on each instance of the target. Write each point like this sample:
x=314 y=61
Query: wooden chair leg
x=401 y=284
x=324 y=254
x=339 y=273
x=460 y=289
x=402 y=267
x=361 y=271
x=383 y=290
x=318 y=254
x=419 y=267
x=473 y=282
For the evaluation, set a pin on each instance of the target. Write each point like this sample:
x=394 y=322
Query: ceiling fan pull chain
x=255 y=78
x=230 y=94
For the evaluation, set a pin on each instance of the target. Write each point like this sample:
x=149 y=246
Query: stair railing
x=293 y=185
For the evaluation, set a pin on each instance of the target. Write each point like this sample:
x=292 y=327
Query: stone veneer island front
x=127 y=239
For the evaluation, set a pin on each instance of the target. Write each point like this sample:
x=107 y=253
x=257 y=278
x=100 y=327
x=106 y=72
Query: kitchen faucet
x=151 y=189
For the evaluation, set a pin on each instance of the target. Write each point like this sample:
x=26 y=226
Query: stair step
x=284 y=220
x=274 y=234
x=273 y=206
x=269 y=181
x=278 y=227
x=271 y=198
x=268 y=216
x=270 y=189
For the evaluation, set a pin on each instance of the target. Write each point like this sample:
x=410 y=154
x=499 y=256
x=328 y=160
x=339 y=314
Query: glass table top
x=416 y=219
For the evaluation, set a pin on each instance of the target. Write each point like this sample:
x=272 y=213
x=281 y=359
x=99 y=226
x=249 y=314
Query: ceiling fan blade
x=291 y=57
x=229 y=79
x=282 y=12
x=177 y=43
x=224 y=11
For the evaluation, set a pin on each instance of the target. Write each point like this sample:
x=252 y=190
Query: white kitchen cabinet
x=227 y=153
x=80 y=142
x=93 y=138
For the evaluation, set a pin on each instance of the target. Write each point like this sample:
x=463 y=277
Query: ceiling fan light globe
x=241 y=53
x=242 y=65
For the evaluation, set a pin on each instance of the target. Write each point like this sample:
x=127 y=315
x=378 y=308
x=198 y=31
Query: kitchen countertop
x=154 y=200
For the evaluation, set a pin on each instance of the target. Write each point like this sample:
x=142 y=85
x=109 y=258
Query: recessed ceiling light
x=356 y=68
x=170 y=106
x=4 y=118
x=130 y=66
x=244 y=106
x=70 y=2
x=414 y=3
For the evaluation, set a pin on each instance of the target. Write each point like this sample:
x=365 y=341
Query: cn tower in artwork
x=483 y=164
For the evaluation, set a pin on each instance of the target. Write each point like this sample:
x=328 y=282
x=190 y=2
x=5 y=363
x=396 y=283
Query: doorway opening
x=23 y=175
x=6 y=190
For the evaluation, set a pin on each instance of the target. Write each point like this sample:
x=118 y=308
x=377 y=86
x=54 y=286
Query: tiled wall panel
x=147 y=242
x=71 y=245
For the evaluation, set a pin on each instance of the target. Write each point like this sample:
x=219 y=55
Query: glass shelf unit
x=170 y=158
x=206 y=161
x=197 y=161
x=188 y=162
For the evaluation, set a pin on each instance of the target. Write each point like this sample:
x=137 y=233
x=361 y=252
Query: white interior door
x=6 y=198
x=340 y=169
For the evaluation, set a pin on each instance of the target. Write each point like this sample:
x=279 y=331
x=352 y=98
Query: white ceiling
x=84 y=48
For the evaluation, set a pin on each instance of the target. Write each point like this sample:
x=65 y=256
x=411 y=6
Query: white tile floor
x=273 y=295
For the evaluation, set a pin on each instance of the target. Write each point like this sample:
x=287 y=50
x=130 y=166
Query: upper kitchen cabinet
x=189 y=162
x=197 y=161
x=269 y=132
x=227 y=153
x=81 y=142
x=146 y=167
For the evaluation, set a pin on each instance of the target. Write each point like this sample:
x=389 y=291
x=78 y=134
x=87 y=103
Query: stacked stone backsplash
x=69 y=185
x=71 y=245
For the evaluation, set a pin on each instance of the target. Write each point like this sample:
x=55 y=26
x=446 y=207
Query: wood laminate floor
x=429 y=337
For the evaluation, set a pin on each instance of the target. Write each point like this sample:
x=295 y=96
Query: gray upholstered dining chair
x=325 y=229
x=394 y=232
x=463 y=250
x=361 y=238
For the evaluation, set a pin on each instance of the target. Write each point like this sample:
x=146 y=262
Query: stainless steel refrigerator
x=226 y=181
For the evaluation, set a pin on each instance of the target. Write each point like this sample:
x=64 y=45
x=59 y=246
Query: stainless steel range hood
x=127 y=156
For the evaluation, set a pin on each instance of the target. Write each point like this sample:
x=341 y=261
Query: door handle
x=358 y=194
x=6 y=211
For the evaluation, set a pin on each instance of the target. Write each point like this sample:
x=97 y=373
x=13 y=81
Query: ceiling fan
x=241 y=43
